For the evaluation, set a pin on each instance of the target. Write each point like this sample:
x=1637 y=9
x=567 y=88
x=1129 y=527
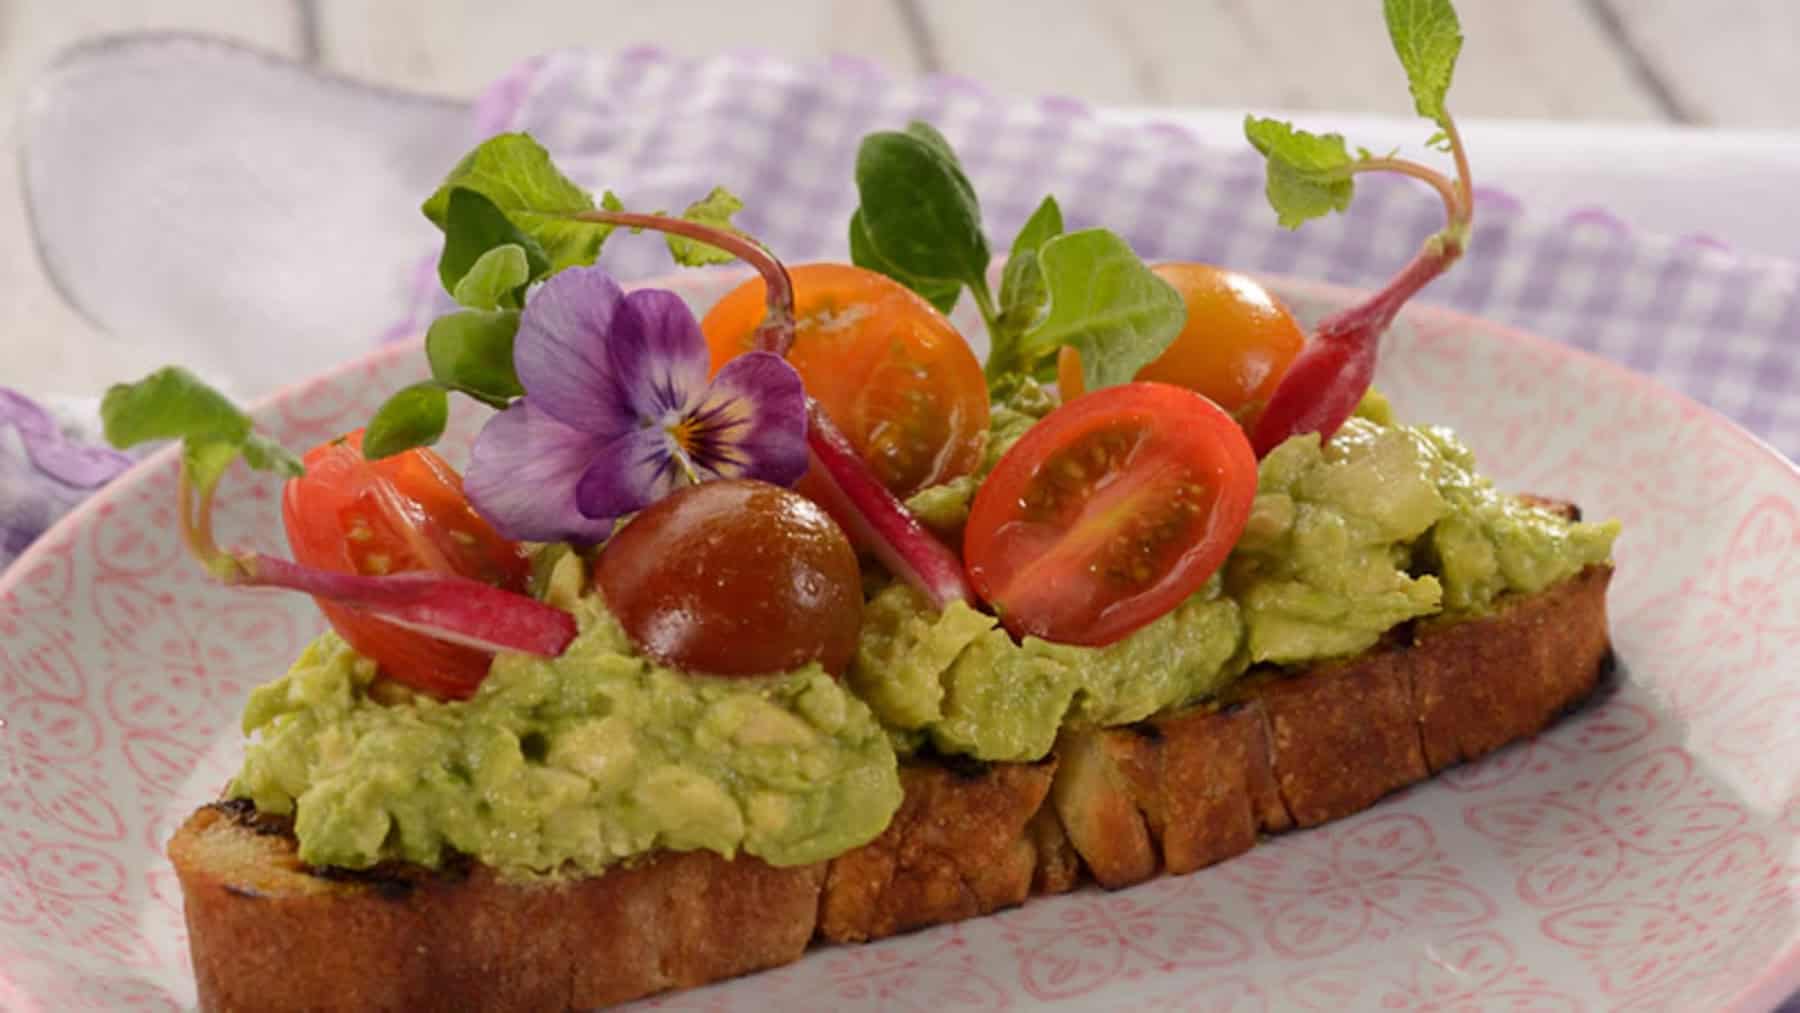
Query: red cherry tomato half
x=406 y=512
x=1109 y=512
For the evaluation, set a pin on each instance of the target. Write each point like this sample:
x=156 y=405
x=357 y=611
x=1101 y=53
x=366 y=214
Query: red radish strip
x=1326 y=381
x=448 y=607
x=879 y=520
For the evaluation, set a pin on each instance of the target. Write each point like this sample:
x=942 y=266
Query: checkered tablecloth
x=1717 y=325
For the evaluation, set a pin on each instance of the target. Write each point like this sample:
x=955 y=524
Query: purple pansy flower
x=618 y=413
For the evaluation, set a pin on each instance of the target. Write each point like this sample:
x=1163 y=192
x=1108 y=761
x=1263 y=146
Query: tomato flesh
x=402 y=513
x=887 y=367
x=1238 y=341
x=1109 y=512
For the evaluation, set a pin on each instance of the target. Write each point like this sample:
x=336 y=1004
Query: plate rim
x=1777 y=981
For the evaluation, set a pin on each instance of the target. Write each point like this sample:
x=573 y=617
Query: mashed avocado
x=590 y=758
x=1347 y=538
x=601 y=755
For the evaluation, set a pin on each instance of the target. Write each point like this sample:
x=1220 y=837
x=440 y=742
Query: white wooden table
x=1612 y=61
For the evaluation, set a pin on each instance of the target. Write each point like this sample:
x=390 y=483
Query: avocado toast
x=799 y=623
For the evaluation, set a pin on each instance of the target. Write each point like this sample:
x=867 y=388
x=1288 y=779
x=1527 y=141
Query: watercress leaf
x=496 y=279
x=413 y=417
x=918 y=209
x=474 y=225
x=515 y=173
x=937 y=292
x=1427 y=37
x=174 y=404
x=472 y=352
x=1309 y=175
x=715 y=209
x=1022 y=282
x=265 y=454
x=1106 y=303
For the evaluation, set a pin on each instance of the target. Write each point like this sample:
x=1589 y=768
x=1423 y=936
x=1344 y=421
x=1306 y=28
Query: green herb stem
x=776 y=333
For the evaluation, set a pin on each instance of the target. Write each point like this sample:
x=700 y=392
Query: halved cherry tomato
x=406 y=512
x=886 y=366
x=1109 y=512
x=1238 y=341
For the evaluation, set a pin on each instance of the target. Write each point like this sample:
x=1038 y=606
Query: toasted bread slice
x=1171 y=794
x=1186 y=790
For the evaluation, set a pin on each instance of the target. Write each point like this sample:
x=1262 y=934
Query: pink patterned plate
x=1643 y=855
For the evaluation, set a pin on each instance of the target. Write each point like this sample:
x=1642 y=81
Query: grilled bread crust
x=1118 y=805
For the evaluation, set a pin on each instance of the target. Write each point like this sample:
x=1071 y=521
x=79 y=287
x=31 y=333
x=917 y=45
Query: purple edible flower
x=618 y=413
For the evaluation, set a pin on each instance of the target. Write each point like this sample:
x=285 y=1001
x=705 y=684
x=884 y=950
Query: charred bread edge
x=1119 y=805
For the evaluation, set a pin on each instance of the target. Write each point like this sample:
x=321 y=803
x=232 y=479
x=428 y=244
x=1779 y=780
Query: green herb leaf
x=715 y=210
x=515 y=173
x=918 y=210
x=496 y=279
x=1427 y=38
x=472 y=352
x=1309 y=175
x=1022 y=292
x=1106 y=303
x=174 y=404
x=414 y=417
x=474 y=225
x=942 y=294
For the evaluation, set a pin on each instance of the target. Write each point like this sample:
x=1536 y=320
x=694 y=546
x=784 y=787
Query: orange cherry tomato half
x=1238 y=341
x=888 y=368
x=406 y=512
x=1109 y=512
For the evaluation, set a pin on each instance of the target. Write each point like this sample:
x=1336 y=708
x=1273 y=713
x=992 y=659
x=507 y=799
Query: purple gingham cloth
x=1720 y=326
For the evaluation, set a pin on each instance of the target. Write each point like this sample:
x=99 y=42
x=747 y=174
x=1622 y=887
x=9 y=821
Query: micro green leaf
x=939 y=293
x=1105 y=303
x=472 y=352
x=1022 y=291
x=496 y=279
x=414 y=417
x=715 y=209
x=1428 y=38
x=474 y=225
x=174 y=404
x=515 y=174
x=918 y=210
x=1309 y=175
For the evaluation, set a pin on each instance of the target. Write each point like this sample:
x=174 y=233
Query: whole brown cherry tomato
x=735 y=578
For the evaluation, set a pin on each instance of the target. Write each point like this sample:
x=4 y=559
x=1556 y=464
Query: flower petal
x=657 y=355
x=562 y=351
x=751 y=422
x=523 y=474
x=630 y=472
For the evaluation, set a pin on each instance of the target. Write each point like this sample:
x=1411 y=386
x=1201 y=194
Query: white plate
x=1642 y=855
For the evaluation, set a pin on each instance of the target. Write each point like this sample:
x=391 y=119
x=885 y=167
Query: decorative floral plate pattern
x=1642 y=855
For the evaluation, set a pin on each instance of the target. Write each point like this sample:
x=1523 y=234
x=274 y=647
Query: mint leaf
x=1106 y=303
x=515 y=173
x=1022 y=292
x=1309 y=175
x=473 y=226
x=918 y=210
x=715 y=210
x=496 y=279
x=942 y=294
x=1428 y=38
x=472 y=352
x=174 y=404
x=414 y=417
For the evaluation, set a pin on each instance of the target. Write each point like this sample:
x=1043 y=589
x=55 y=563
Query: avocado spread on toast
x=601 y=755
